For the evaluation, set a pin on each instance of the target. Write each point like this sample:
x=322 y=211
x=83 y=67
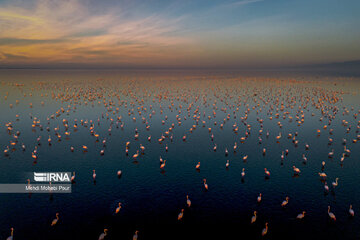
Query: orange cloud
x=66 y=31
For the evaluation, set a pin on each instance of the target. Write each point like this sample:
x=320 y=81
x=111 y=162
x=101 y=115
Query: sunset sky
x=187 y=33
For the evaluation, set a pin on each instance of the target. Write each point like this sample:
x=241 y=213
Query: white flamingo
x=351 y=211
x=94 y=175
x=335 y=184
x=326 y=187
x=267 y=173
x=285 y=202
x=301 y=215
x=243 y=173
x=135 y=237
x=253 y=218
x=11 y=234
x=103 y=235
x=331 y=215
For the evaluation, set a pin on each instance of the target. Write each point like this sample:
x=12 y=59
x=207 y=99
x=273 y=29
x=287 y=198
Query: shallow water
x=152 y=198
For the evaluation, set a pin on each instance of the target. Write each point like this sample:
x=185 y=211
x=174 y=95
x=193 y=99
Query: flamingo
x=73 y=177
x=181 y=214
x=301 y=215
x=347 y=151
x=11 y=234
x=259 y=198
x=278 y=137
x=103 y=235
x=163 y=165
x=326 y=187
x=135 y=237
x=331 y=154
x=94 y=175
x=118 y=208
x=136 y=155
x=323 y=175
x=227 y=164
x=198 y=165
x=6 y=151
x=267 y=173
x=331 y=215
x=296 y=170
x=342 y=157
x=205 y=184
x=243 y=173
x=119 y=173
x=351 y=211
x=265 y=230
x=304 y=158
x=54 y=222
x=335 y=184
x=188 y=202
x=253 y=218
x=284 y=203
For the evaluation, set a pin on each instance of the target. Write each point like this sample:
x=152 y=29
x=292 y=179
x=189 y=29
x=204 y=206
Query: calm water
x=152 y=198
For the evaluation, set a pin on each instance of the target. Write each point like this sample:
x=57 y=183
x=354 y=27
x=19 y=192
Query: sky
x=178 y=34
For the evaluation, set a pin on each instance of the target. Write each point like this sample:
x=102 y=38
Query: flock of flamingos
x=139 y=101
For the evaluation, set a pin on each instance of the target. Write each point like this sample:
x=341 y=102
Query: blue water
x=151 y=198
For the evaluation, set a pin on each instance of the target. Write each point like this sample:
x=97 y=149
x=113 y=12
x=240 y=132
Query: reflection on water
x=241 y=112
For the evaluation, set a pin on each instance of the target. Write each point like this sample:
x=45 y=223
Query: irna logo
x=52 y=176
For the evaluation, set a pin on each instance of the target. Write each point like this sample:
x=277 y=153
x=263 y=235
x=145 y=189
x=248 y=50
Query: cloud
x=66 y=30
x=22 y=41
x=8 y=56
x=245 y=2
x=88 y=33
x=179 y=33
x=10 y=16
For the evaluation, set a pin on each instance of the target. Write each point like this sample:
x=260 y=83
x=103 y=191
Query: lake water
x=152 y=198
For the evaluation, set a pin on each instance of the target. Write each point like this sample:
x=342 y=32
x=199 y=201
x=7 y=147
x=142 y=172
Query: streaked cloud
x=66 y=30
x=245 y=2
x=24 y=41
x=177 y=33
